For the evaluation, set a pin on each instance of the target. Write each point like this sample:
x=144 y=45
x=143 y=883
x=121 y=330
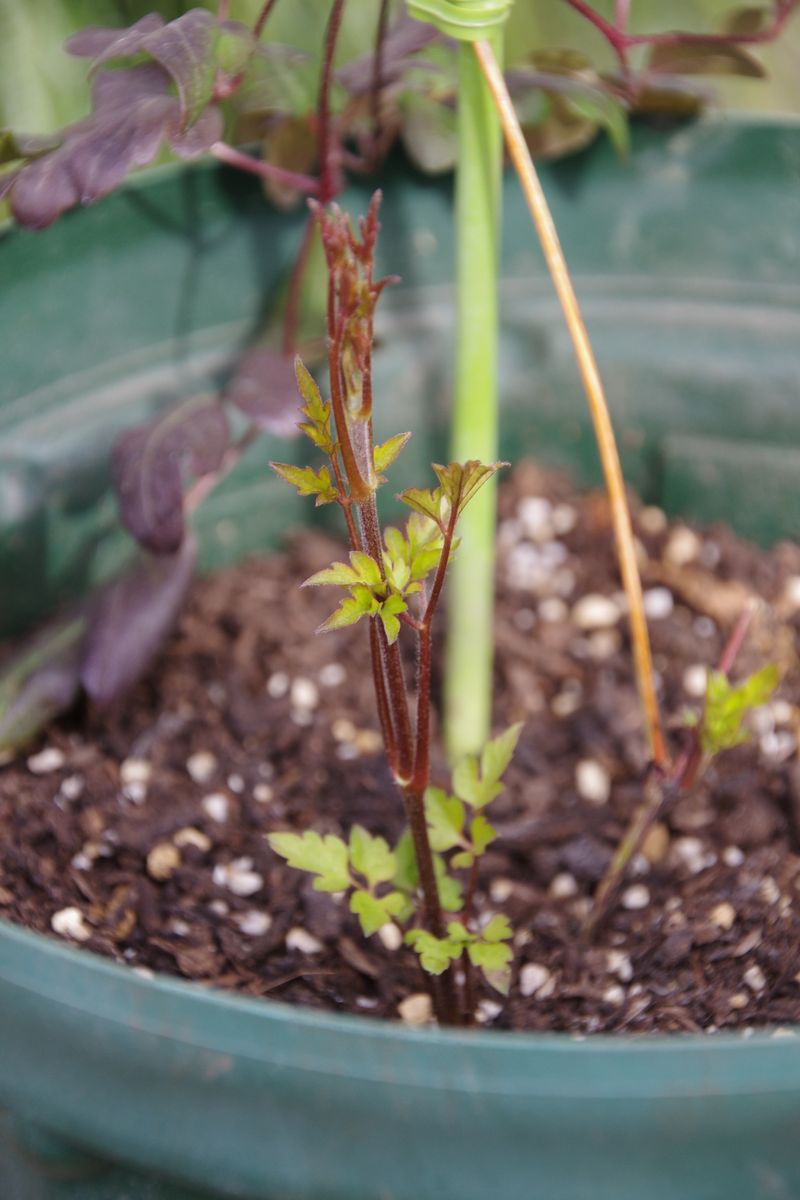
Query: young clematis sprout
x=393 y=581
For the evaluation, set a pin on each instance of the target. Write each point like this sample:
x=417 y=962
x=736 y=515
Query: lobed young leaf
x=435 y=954
x=427 y=502
x=445 y=819
x=406 y=877
x=362 y=570
x=385 y=454
x=361 y=603
x=460 y=482
x=388 y=613
x=727 y=705
x=374 y=912
x=326 y=857
x=317 y=426
x=309 y=483
x=371 y=857
x=478 y=785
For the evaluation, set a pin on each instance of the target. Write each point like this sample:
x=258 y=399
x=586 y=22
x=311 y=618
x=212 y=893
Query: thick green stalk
x=468 y=675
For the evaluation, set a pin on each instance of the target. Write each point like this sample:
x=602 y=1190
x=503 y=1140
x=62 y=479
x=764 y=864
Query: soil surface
x=139 y=833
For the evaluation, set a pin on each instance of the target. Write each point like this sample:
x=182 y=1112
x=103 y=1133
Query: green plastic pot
x=117 y=1087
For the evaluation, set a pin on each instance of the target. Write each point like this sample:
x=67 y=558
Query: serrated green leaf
x=371 y=857
x=406 y=876
x=370 y=910
x=466 y=780
x=387 y=613
x=490 y=956
x=445 y=818
x=317 y=427
x=308 y=481
x=498 y=752
x=727 y=705
x=338 y=574
x=435 y=954
x=326 y=857
x=360 y=604
x=385 y=454
x=366 y=569
x=458 y=933
x=463 y=860
x=396 y=544
x=451 y=895
x=497 y=930
x=482 y=834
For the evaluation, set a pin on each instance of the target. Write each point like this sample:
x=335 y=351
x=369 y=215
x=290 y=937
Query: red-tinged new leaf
x=131 y=620
x=264 y=389
x=426 y=501
x=150 y=465
x=461 y=482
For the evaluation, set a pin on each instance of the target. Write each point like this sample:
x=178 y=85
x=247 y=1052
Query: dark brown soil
x=150 y=821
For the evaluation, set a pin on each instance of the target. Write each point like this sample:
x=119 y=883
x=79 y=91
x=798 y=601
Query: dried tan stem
x=598 y=407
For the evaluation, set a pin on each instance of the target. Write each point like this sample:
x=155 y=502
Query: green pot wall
x=687 y=259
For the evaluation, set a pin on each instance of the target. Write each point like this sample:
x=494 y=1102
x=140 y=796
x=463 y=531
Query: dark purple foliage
x=135 y=109
x=264 y=387
x=130 y=620
x=150 y=464
x=403 y=41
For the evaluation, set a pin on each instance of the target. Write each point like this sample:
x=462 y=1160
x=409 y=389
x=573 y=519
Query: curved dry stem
x=598 y=406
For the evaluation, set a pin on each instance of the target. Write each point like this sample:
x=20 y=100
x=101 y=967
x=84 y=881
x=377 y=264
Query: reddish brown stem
x=263 y=17
x=382 y=699
x=265 y=170
x=445 y=996
x=621 y=41
x=376 y=86
x=422 y=756
x=329 y=182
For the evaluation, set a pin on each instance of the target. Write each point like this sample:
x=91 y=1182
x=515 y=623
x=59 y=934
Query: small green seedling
x=721 y=725
x=393 y=581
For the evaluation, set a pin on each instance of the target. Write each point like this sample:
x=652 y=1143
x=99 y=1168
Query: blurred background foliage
x=42 y=88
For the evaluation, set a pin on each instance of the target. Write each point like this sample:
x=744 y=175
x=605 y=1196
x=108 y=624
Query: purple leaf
x=150 y=463
x=185 y=48
x=94 y=41
x=131 y=619
x=403 y=41
x=264 y=387
x=199 y=137
x=133 y=110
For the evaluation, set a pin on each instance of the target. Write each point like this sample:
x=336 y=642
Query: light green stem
x=468 y=674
